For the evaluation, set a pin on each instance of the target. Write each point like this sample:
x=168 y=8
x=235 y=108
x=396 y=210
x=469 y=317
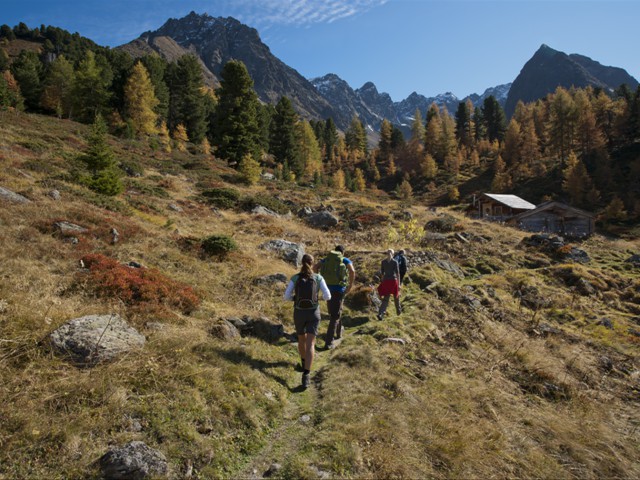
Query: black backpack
x=306 y=293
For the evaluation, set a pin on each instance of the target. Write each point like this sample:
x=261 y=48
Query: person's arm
x=397 y=270
x=288 y=293
x=326 y=293
x=352 y=277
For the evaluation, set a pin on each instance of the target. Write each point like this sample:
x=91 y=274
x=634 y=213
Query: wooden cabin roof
x=554 y=205
x=512 y=201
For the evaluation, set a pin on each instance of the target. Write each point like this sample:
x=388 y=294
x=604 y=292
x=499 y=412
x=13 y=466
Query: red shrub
x=109 y=278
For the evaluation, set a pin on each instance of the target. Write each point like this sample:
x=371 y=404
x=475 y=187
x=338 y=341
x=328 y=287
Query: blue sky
x=428 y=46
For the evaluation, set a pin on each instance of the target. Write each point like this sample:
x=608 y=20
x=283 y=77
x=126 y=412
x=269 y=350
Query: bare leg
x=309 y=350
x=301 y=345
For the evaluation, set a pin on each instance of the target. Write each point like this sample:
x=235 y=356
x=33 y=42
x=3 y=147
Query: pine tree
x=156 y=68
x=330 y=139
x=494 y=119
x=90 y=90
x=27 y=70
x=236 y=130
x=283 y=144
x=250 y=169
x=140 y=102
x=356 y=138
x=187 y=100
x=58 y=84
x=463 y=125
x=100 y=161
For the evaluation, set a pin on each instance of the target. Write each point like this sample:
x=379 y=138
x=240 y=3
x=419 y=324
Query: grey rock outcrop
x=271 y=279
x=225 y=331
x=322 y=219
x=260 y=327
x=68 y=228
x=13 y=197
x=133 y=461
x=54 y=195
x=289 y=251
x=94 y=339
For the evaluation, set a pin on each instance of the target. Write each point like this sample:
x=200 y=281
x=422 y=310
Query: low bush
x=445 y=223
x=109 y=278
x=222 y=197
x=219 y=245
x=272 y=203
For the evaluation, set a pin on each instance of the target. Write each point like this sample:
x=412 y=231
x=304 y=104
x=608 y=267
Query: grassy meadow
x=509 y=371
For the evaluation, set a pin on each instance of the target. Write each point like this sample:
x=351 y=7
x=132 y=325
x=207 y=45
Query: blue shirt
x=339 y=288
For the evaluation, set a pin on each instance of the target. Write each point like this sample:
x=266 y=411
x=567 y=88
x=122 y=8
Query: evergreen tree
x=100 y=161
x=433 y=133
x=266 y=113
x=404 y=190
x=140 y=102
x=236 y=130
x=577 y=182
x=494 y=119
x=397 y=139
x=90 y=90
x=4 y=60
x=283 y=144
x=187 y=102
x=463 y=125
x=330 y=139
x=27 y=70
x=58 y=85
x=480 y=129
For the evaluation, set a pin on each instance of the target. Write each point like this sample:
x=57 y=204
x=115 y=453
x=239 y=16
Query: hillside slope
x=509 y=359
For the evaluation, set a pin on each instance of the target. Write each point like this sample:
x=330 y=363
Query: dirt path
x=298 y=423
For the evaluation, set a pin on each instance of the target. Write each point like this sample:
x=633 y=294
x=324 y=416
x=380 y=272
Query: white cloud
x=267 y=13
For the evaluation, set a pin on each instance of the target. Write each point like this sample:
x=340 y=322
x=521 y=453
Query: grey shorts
x=307 y=321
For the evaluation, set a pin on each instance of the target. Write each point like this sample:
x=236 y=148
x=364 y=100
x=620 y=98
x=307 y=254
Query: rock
x=133 y=461
x=268 y=176
x=68 y=228
x=154 y=326
x=545 y=330
x=12 y=197
x=224 y=331
x=577 y=255
x=304 y=212
x=133 y=264
x=175 y=208
x=115 y=236
x=267 y=330
x=606 y=323
x=584 y=287
x=450 y=267
x=634 y=260
x=271 y=279
x=355 y=224
x=398 y=341
x=322 y=219
x=239 y=323
x=434 y=237
x=289 y=251
x=272 y=470
x=94 y=339
x=54 y=195
x=260 y=210
x=305 y=418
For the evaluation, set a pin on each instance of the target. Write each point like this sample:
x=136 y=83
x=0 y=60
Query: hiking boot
x=328 y=346
x=380 y=316
x=299 y=367
x=306 y=380
x=340 y=332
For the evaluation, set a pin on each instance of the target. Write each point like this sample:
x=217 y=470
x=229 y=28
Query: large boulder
x=289 y=251
x=271 y=280
x=322 y=219
x=94 y=339
x=12 y=197
x=68 y=228
x=260 y=327
x=133 y=461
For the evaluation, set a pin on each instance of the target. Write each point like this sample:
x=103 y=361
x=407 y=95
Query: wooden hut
x=500 y=207
x=556 y=217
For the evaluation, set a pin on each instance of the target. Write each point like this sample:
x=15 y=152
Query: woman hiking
x=390 y=285
x=303 y=290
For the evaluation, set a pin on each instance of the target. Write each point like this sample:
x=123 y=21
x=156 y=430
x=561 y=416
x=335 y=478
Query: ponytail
x=307 y=262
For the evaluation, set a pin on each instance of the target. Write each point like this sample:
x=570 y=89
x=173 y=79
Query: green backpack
x=334 y=270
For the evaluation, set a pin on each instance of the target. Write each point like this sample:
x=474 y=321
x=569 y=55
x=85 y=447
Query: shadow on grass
x=350 y=322
x=239 y=356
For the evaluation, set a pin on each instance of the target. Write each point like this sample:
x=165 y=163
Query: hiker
x=303 y=290
x=339 y=274
x=402 y=264
x=390 y=271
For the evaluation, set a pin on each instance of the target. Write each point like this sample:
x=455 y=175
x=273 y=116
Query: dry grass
x=477 y=392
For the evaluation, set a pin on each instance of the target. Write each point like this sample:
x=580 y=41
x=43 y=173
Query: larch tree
x=563 y=117
x=10 y=96
x=359 y=183
x=384 y=144
x=433 y=132
x=429 y=167
x=140 y=102
x=163 y=135
x=156 y=68
x=356 y=138
x=249 y=169
x=236 y=130
x=180 y=138
x=338 y=180
x=512 y=143
x=577 y=182
x=417 y=129
x=308 y=149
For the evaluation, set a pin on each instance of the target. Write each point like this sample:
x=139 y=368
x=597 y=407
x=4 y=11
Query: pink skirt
x=389 y=287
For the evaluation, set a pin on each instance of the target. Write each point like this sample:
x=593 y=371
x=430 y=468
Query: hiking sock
x=306 y=372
